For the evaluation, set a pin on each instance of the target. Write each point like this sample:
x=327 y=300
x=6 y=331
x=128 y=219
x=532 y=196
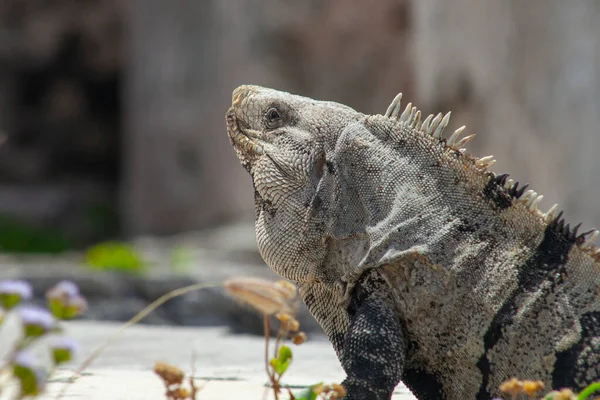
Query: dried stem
x=136 y=318
x=193 y=387
x=280 y=333
x=266 y=321
x=270 y=371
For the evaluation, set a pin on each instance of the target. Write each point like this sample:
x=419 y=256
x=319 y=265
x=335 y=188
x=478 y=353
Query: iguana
x=419 y=263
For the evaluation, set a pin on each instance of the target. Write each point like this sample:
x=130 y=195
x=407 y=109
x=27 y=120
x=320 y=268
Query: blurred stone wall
x=114 y=110
x=60 y=110
x=525 y=77
x=185 y=58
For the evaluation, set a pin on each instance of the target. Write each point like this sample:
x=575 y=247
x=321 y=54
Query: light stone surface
x=229 y=366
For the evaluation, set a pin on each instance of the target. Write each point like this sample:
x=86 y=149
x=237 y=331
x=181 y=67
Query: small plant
x=586 y=393
x=20 y=236
x=271 y=299
x=516 y=389
x=173 y=378
x=279 y=299
x=36 y=324
x=320 y=391
x=114 y=256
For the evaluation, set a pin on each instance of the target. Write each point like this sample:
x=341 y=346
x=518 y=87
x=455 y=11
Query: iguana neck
x=393 y=185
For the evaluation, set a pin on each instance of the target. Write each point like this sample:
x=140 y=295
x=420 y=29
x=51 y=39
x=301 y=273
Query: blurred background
x=113 y=115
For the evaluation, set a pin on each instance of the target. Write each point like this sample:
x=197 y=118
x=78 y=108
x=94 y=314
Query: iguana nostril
x=238 y=95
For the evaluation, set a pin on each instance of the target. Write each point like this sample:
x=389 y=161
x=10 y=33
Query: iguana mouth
x=239 y=138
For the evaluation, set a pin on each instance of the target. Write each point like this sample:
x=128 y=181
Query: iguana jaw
x=246 y=145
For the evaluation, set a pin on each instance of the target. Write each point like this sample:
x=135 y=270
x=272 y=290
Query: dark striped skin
x=585 y=353
x=419 y=263
x=548 y=262
x=423 y=384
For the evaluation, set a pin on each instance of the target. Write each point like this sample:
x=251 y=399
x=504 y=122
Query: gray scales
x=419 y=263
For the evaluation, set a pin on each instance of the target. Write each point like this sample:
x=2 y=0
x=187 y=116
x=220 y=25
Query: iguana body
x=419 y=263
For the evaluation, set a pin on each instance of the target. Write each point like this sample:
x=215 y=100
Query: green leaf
x=19 y=236
x=284 y=354
x=61 y=355
x=56 y=308
x=9 y=300
x=278 y=366
x=308 y=393
x=116 y=256
x=34 y=331
x=29 y=380
x=70 y=312
x=283 y=360
x=588 y=391
x=60 y=311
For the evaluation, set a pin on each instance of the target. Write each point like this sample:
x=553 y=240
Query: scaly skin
x=419 y=263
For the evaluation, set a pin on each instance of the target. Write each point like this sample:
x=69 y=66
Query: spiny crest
x=432 y=125
x=435 y=125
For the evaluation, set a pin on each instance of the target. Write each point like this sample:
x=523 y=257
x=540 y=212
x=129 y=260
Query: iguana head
x=283 y=141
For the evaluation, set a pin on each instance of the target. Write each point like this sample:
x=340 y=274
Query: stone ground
x=226 y=365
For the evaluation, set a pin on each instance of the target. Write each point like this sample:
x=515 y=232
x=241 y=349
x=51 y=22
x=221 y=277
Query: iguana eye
x=273 y=118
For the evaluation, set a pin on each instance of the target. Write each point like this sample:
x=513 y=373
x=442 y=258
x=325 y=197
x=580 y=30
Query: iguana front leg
x=367 y=336
x=374 y=348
